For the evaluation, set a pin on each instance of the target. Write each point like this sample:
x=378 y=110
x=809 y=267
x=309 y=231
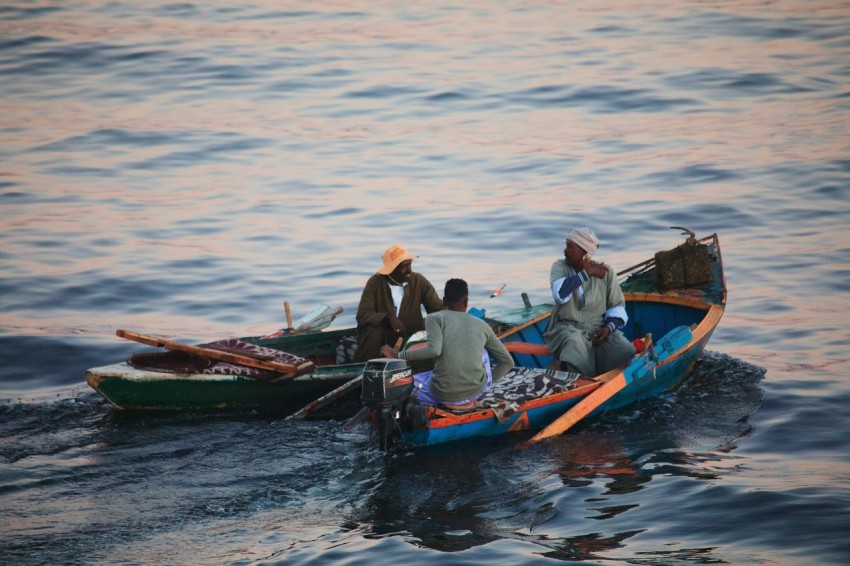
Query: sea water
x=184 y=168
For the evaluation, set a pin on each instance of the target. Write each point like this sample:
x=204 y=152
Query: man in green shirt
x=463 y=346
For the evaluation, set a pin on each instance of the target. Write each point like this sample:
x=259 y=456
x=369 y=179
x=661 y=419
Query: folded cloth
x=521 y=385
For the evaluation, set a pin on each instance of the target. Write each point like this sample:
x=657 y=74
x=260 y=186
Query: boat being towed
x=677 y=296
x=296 y=366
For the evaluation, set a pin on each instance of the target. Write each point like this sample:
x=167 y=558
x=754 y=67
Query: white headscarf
x=585 y=239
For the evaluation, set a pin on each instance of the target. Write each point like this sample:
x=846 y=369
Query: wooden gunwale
x=667 y=298
x=699 y=335
x=707 y=324
x=524 y=325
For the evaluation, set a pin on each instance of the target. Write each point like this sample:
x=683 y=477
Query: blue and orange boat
x=677 y=296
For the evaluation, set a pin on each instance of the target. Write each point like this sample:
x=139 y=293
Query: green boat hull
x=129 y=388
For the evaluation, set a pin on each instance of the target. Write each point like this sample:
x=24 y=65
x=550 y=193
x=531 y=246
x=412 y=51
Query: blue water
x=184 y=168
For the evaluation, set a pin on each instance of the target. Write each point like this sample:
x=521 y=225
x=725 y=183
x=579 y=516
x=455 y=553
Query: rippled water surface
x=183 y=169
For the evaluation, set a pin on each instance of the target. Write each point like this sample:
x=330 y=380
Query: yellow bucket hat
x=394 y=256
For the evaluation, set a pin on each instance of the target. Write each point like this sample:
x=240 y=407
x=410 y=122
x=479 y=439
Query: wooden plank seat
x=528 y=348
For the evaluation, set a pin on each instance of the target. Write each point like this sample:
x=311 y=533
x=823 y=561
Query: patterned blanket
x=172 y=361
x=521 y=385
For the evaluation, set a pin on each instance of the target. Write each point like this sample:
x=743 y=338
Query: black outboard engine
x=387 y=383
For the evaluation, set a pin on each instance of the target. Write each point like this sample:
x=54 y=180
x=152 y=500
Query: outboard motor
x=387 y=383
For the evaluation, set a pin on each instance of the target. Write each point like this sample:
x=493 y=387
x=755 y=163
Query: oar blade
x=582 y=409
x=361 y=417
x=326 y=399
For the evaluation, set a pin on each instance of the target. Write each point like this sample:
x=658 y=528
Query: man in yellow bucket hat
x=391 y=304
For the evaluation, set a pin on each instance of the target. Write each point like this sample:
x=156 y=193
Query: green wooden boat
x=134 y=388
x=130 y=387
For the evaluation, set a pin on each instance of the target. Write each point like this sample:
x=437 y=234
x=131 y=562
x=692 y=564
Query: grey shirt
x=457 y=340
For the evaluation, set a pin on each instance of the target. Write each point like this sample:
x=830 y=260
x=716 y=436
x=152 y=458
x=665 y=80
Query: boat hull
x=129 y=388
x=649 y=379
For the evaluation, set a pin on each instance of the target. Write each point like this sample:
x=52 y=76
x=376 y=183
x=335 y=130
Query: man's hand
x=396 y=325
x=387 y=352
x=601 y=335
x=598 y=270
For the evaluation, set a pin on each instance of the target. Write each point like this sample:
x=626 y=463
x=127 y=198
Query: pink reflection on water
x=337 y=176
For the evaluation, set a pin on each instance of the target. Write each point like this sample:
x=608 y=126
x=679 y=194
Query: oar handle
x=288 y=315
x=326 y=399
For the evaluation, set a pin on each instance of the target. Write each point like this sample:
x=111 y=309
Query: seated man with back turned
x=391 y=304
x=584 y=330
x=462 y=345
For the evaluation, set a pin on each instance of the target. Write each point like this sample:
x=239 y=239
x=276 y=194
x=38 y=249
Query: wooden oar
x=259 y=362
x=327 y=398
x=588 y=404
x=582 y=409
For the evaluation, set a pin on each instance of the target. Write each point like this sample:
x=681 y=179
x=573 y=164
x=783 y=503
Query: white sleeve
x=617 y=312
x=556 y=286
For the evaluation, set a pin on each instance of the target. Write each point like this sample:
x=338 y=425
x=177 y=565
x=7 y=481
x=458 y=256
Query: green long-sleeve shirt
x=457 y=340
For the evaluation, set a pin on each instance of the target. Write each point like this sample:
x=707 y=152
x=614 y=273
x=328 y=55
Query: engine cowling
x=386 y=385
x=386 y=381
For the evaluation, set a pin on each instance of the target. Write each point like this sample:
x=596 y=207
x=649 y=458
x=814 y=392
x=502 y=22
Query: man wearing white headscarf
x=584 y=330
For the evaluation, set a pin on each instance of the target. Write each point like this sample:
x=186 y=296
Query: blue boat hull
x=684 y=320
x=650 y=379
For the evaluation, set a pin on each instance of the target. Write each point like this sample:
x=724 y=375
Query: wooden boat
x=186 y=385
x=532 y=396
x=186 y=380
